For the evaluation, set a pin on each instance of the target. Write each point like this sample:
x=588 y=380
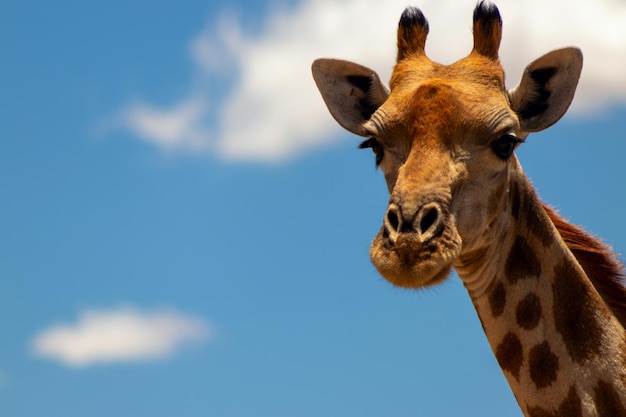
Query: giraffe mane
x=598 y=261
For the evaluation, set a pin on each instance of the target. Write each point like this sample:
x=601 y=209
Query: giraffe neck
x=561 y=349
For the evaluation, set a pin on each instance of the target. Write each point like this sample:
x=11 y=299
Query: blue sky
x=185 y=230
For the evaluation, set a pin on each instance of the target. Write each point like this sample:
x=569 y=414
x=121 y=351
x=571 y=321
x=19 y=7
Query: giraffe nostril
x=425 y=222
x=393 y=220
x=429 y=218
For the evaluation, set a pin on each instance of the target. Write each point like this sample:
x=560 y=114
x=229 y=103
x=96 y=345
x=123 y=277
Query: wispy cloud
x=119 y=335
x=175 y=127
x=272 y=110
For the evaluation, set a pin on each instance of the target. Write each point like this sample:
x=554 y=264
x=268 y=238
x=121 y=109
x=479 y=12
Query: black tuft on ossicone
x=413 y=16
x=486 y=11
x=412 y=32
x=487 y=29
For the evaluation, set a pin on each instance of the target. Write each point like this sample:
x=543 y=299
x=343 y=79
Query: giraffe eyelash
x=376 y=147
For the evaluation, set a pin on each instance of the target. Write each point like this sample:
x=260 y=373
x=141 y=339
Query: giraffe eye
x=505 y=145
x=376 y=148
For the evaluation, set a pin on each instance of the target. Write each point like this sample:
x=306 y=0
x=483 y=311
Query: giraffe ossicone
x=550 y=297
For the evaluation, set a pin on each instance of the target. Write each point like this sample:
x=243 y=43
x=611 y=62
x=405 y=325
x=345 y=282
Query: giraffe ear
x=351 y=92
x=546 y=89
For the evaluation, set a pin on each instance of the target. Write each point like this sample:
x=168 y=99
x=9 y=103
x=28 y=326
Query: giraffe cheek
x=471 y=222
x=475 y=224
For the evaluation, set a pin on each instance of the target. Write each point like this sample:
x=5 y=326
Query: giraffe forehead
x=447 y=101
x=483 y=75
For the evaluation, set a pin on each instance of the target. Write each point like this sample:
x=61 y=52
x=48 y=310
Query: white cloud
x=179 y=126
x=119 y=335
x=273 y=110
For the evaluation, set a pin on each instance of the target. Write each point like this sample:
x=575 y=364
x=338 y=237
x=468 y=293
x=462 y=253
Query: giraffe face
x=444 y=138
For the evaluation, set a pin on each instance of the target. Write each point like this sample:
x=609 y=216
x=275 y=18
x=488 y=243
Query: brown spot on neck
x=537 y=223
x=571 y=406
x=528 y=312
x=543 y=365
x=510 y=355
x=497 y=300
x=608 y=401
x=528 y=209
x=522 y=261
x=575 y=309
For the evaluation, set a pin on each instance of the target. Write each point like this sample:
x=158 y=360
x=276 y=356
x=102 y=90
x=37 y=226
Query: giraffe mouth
x=407 y=260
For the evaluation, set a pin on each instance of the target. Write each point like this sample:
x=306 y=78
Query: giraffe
x=550 y=297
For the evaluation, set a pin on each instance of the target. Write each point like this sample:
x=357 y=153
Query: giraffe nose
x=425 y=222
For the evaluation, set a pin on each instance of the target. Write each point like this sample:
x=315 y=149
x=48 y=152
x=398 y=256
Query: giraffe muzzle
x=417 y=243
x=422 y=224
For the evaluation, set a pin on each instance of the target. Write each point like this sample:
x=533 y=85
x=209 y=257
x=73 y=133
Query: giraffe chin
x=408 y=263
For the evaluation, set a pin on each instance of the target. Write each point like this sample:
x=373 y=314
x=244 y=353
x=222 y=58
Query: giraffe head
x=444 y=137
